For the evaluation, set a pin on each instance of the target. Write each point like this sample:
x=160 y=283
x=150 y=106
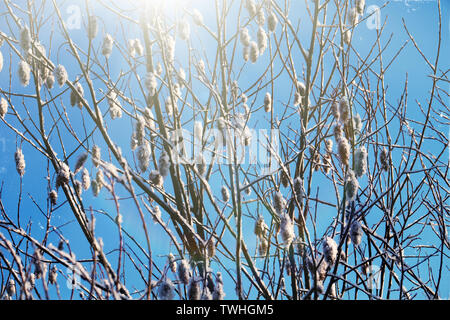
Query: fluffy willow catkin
x=138 y=47
x=206 y=294
x=184 y=29
x=80 y=162
x=251 y=7
x=11 y=289
x=107 y=45
x=1 y=61
x=92 y=27
x=352 y=186
x=353 y=16
x=218 y=293
x=115 y=108
x=156 y=178
x=225 y=194
x=150 y=83
x=260 y=227
x=267 y=102
x=52 y=276
x=61 y=75
x=172 y=263
x=360 y=4
x=143 y=155
x=384 y=160
x=166 y=290
x=24 y=73
x=184 y=271
x=96 y=155
x=85 y=179
x=246 y=53
x=20 y=162
x=260 y=17
x=25 y=39
x=262 y=40
x=76 y=96
x=344 y=150
x=53 y=195
x=279 y=203
x=194 y=290
x=197 y=17
x=360 y=161
x=330 y=250
x=164 y=164
x=201 y=164
x=3 y=107
x=63 y=175
x=272 y=21
x=50 y=81
x=344 y=109
x=245 y=37
x=287 y=229
x=298 y=189
x=254 y=51
x=356 y=233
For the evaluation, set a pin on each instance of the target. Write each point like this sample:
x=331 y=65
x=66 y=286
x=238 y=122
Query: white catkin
x=261 y=18
x=156 y=178
x=254 y=51
x=115 y=108
x=20 y=162
x=353 y=16
x=1 y=61
x=194 y=290
x=61 y=75
x=3 y=107
x=95 y=188
x=357 y=124
x=287 y=229
x=63 y=175
x=335 y=110
x=347 y=36
x=298 y=189
x=262 y=40
x=260 y=227
x=201 y=164
x=330 y=250
x=301 y=88
x=50 y=81
x=197 y=17
x=246 y=53
x=172 y=263
x=245 y=37
x=352 y=186
x=143 y=155
x=198 y=132
x=166 y=290
x=206 y=295
x=218 y=293
x=150 y=83
x=184 y=271
x=360 y=4
x=164 y=164
x=53 y=195
x=384 y=160
x=184 y=29
x=131 y=47
x=77 y=98
x=92 y=27
x=279 y=203
x=138 y=47
x=11 y=289
x=356 y=233
x=25 y=39
x=272 y=21
x=107 y=45
x=80 y=162
x=100 y=179
x=251 y=7
x=140 y=129
x=225 y=194
x=344 y=150
x=96 y=156
x=361 y=161
x=267 y=102
x=85 y=179
x=170 y=43
x=156 y=214
x=24 y=73
x=329 y=145
x=344 y=109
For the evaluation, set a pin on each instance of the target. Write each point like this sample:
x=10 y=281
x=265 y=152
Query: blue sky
x=419 y=16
